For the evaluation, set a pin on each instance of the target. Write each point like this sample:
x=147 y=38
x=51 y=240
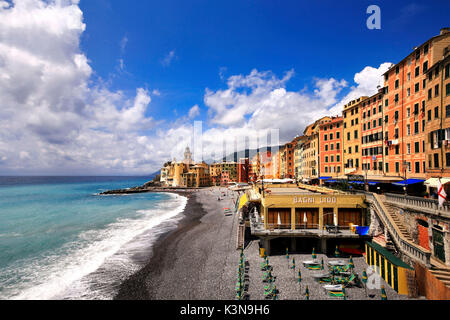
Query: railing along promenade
x=407 y=247
x=430 y=206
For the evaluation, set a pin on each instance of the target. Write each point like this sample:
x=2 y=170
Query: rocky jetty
x=151 y=186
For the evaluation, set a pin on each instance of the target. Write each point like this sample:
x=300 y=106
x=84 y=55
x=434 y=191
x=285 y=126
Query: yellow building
x=185 y=174
x=197 y=176
x=309 y=155
x=393 y=270
x=223 y=172
x=298 y=159
x=351 y=141
x=303 y=217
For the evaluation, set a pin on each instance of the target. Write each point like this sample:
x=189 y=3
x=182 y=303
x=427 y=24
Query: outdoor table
x=309 y=262
x=337 y=263
x=333 y=287
x=320 y=275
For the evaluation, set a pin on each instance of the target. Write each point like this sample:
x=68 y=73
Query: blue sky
x=114 y=87
x=315 y=38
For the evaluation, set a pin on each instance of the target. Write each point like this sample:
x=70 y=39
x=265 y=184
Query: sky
x=97 y=87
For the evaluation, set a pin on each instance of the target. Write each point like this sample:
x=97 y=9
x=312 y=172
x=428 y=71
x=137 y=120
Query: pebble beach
x=199 y=260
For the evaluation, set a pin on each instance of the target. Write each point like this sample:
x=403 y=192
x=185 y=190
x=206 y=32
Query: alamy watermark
x=218 y=146
x=373 y=278
x=374 y=20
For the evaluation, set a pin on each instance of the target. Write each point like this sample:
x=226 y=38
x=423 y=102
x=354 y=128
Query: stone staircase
x=442 y=274
x=440 y=271
x=396 y=219
x=396 y=231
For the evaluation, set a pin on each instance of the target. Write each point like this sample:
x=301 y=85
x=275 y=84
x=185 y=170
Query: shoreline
x=195 y=261
x=135 y=288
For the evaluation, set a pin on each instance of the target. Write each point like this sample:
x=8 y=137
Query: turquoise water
x=59 y=239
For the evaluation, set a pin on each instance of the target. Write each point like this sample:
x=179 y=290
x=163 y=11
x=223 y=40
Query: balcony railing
x=303 y=226
x=421 y=204
x=276 y=226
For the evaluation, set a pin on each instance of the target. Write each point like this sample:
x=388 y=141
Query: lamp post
x=405 y=163
x=366 y=184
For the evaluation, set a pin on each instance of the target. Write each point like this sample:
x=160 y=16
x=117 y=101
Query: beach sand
x=198 y=261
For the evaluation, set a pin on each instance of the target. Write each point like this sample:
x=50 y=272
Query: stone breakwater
x=144 y=189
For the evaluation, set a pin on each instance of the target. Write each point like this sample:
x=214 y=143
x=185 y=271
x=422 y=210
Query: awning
x=325 y=178
x=433 y=182
x=371 y=183
x=408 y=182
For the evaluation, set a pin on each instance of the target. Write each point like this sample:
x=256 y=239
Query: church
x=185 y=174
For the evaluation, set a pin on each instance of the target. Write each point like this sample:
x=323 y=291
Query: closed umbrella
x=336 y=252
x=305 y=219
x=293 y=263
x=335 y=218
x=383 y=293
x=364 y=277
x=350 y=263
x=299 y=279
x=279 y=219
x=314 y=256
x=321 y=265
x=306 y=293
x=364 y=280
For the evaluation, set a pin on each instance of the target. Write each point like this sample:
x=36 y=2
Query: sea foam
x=93 y=266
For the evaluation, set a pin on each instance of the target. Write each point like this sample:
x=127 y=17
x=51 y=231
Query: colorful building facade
x=330 y=133
x=352 y=136
x=372 y=131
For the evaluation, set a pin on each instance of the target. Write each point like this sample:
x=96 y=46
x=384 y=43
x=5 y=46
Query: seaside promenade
x=199 y=261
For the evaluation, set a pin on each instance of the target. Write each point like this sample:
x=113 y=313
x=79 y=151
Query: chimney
x=445 y=30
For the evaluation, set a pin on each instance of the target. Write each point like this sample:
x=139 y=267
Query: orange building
x=405 y=103
x=437 y=139
x=372 y=131
x=330 y=144
x=276 y=165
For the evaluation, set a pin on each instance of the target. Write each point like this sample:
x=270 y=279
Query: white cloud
x=255 y=103
x=55 y=119
x=167 y=60
x=123 y=44
x=194 y=112
x=367 y=83
x=51 y=119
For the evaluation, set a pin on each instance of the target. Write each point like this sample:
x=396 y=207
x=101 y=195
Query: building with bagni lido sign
x=286 y=216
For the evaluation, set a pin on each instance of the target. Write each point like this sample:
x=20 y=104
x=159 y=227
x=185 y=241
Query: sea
x=60 y=239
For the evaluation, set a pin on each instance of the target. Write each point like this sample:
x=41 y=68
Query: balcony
x=301 y=230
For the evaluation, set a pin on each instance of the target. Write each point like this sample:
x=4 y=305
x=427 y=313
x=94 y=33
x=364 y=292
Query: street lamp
x=366 y=184
x=405 y=163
